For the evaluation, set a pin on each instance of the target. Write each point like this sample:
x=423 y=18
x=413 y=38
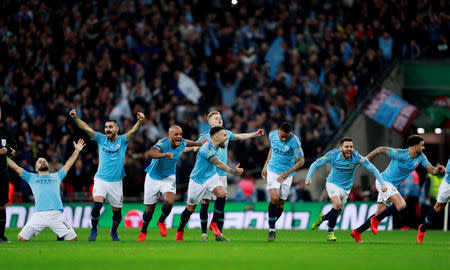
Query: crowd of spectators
x=260 y=62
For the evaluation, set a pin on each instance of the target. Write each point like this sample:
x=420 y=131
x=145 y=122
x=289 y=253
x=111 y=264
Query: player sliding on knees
x=442 y=199
x=160 y=176
x=344 y=162
x=204 y=178
x=48 y=207
x=403 y=162
x=112 y=149
x=284 y=159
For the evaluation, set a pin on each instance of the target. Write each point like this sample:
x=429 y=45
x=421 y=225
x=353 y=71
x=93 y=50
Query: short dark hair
x=414 y=140
x=112 y=120
x=286 y=127
x=215 y=130
x=345 y=139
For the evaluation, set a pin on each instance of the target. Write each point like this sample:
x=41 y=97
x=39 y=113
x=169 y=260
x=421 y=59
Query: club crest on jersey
x=286 y=148
x=416 y=163
x=351 y=165
x=117 y=146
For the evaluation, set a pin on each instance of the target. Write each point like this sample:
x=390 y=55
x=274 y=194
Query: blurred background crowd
x=260 y=63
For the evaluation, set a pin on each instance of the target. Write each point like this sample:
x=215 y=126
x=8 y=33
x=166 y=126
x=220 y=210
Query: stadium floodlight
x=421 y=130
x=437 y=130
x=234 y=2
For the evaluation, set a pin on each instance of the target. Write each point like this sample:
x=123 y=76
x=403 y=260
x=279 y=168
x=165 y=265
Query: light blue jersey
x=45 y=189
x=111 y=157
x=161 y=168
x=222 y=152
x=343 y=170
x=447 y=172
x=283 y=153
x=402 y=165
x=204 y=168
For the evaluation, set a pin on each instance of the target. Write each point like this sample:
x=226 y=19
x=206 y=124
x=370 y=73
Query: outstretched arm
x=155 y=153
x=14 y=167
x=245 y=136
x=370 y=167
x=264 y=170
x=299 y=162
x=377 y=151
x=191 y=149
x=190 y=143
x=130 y=134
x=219 y=164
x=81 y=124
x=435 y=170
x=78 y=147
x=316 y=164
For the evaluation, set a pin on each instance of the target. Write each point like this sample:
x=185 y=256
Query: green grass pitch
x=247 y=250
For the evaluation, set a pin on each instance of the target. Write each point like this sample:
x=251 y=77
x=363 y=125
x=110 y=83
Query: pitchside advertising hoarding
x=296 y=216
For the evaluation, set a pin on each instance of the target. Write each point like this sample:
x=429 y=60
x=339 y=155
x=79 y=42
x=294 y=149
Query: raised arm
x=377 y=151
x=81 y=124
x=264 y=170
x=219 y=164
x=78 y=147
x=435 y=170
x=299 y=162
x=14 y=167
x=245 y=136
x=130 y=134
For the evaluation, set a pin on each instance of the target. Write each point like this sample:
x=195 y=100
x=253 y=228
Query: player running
x=108 y=179
x=160 y=177
x=204 y=178
x=215 y=120
x=344 y=162
x=442 y=199
x=403 y=162
x=48 y=207
x=284 y=159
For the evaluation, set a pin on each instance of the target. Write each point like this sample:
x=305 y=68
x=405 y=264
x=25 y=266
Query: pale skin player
x=111 y=131
x=218 y=140
x=414 y=151
x=215 y=120
x=108 y=182
x=347 y=150
x=42 y=168
x=403 y=162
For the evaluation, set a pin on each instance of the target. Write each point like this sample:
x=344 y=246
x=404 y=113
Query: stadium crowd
x=260 y=63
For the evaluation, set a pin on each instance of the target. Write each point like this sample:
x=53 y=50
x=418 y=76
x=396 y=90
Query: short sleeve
x=182 y=145
x=298 y=151
x=26 y=176
x=207 y=153
x=230 y=135
x=99 y=138
x=124 y=139
x=159 y=146
x=394 y=153
x=424 y=161
x=61 y=174
x=271 y=135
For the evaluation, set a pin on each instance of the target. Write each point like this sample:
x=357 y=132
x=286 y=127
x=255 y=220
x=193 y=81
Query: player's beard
x=346 y=155
x=44 y=168
x=222 y=145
